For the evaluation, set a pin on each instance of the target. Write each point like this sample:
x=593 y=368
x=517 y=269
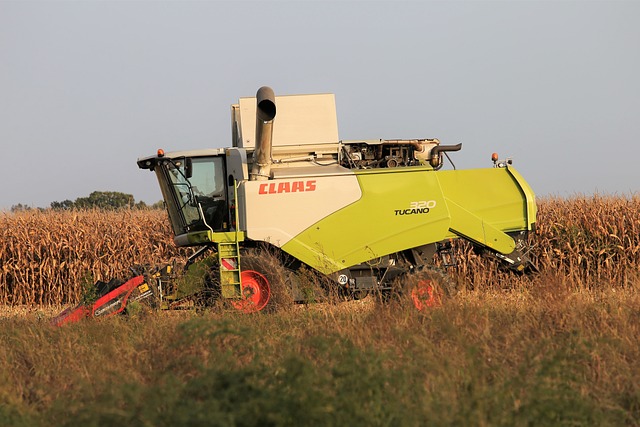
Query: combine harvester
x=362 y=214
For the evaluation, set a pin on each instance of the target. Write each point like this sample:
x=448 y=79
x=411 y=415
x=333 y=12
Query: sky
x=87 y=87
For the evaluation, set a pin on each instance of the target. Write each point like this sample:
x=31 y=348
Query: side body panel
x=399 y=209
x=338 y=221
x=486 y=203
x=276 y=211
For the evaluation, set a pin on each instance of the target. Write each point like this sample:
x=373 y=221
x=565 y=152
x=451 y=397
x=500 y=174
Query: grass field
x=558 y=348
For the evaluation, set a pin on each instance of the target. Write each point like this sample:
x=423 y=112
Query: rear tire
x=429 y=288
x=423 y=289
x=427 y=291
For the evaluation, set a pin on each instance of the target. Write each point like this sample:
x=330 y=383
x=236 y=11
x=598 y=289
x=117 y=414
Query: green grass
x=544 y=355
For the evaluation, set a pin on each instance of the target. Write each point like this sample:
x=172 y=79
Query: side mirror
x=188 y=168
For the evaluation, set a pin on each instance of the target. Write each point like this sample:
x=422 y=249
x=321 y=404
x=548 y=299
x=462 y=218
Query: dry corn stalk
x=46 y=256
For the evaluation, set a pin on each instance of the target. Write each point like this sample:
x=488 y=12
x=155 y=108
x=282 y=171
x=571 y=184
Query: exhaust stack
x=265 y=113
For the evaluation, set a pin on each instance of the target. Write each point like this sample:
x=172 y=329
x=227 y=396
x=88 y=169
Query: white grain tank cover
x=302 y=120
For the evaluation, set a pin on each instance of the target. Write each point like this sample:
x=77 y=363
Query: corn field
x=588 y=242
x=46 y=256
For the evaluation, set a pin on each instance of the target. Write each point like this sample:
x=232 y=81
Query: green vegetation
x=549 y=356
x=105 y=200
x=100 y=200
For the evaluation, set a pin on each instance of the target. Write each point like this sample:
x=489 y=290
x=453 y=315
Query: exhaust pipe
x=436 y=158
x=265 y=113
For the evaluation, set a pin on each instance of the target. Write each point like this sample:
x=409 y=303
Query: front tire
x=256 y=292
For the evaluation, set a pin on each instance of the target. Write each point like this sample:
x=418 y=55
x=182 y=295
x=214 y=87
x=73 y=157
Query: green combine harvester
x=364 y=214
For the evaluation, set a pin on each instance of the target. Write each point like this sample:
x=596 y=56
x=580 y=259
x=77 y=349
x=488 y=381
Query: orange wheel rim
x=424 y=295
x=255 y=292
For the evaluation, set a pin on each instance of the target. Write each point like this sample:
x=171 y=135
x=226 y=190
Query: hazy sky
x=87 y=87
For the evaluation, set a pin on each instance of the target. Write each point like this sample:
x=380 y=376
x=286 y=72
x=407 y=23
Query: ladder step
x=230 y=275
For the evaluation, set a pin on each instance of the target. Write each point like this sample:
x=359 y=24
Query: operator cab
x=194 y=189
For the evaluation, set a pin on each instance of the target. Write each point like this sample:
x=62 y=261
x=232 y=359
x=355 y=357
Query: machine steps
x=229 y=261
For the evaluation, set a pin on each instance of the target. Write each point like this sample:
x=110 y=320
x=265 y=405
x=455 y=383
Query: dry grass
x=550 y=355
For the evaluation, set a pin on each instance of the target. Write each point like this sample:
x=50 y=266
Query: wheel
x=255 y=292
x=268 y=264
x=427 y=289
x=426 y=294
